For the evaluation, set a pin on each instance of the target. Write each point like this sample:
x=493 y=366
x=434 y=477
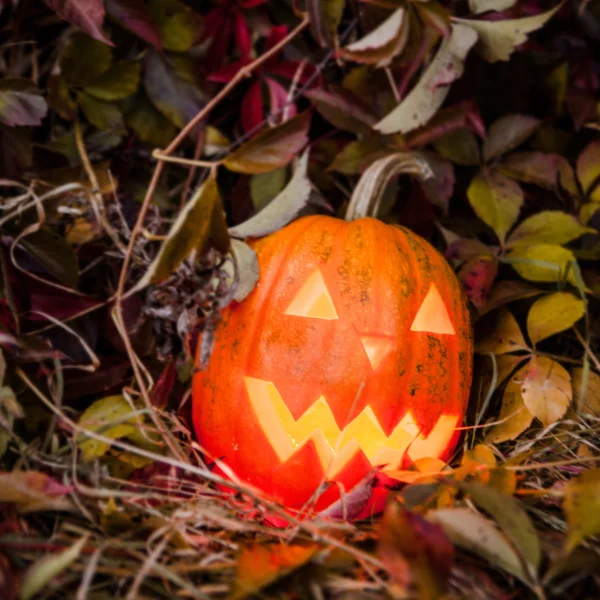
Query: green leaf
x=460 y=147
x=552 y=314
x=473 y=532
x=383 y=43
x=358 y=155
x=588 y=170
x=120 y=81
x=247 y=269
x=170 y=88
x=53 y=253
x=100 y=113
x=512 y=519
x=148 y=122
x=582 y=507
x=481 y=6
x=325 y=17
x=40 y=573
x=542 y=262
x=546 y=389
x=498 y=39
x=84 y=59
x=179 y=25
x=111 y=417
x=21 y=102
x=507 y=133
x=265 y=186
x=199 y=226
x=424 y=100
x=272 y=148
x=548 y=227
x=501 y=334
x=285 y=207
x=496 y=200
x=60 y=98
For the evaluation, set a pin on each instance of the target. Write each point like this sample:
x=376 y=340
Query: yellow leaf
x=546 y=389
x=498 y=39
x=542 y=262
x=588 y=170
x=261 y=565
x=501 y=334
x=586 y=391
x=587 y=211
x=496 y=200
x=514 y=417
x=582 y=507
x=548 y=227
x=110 y=417
x=552 y=314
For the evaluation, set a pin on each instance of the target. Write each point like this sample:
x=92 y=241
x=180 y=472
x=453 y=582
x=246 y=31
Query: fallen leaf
x=283 y=209
x=496 y=200
x=247 y=269
x=498 y=39
x=546 y=389
x=383 y=43
x=260 y=565
x=272 y=148
x=548 y=227
x=507 y=133
x=586 y=390
x=542 y=262
x=500 y=333
x=423 y=101
x=111 y=417
x=32 y=491
x=40 y=573
x=510 y=516
x=552 y=314
x=582 y=507
x=588 y=170
x=417 y=553
x=514 y=417
x=479 y=535
x=85 y=14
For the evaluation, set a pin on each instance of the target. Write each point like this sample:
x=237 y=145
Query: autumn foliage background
x=113 y=258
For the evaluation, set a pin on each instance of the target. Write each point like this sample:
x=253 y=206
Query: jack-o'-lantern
x=352 y=352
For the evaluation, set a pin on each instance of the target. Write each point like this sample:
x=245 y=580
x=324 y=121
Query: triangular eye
x=377 y=348
x=433 y=315
x=313 y=300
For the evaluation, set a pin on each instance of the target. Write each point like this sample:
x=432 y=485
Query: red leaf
x=164 y=385
x=85 y=14
x=242 y=34
x=477 y=276
x=134 y=16
x=278 y=96
x=226 y=74
x=252 y=113
x=251 y=3
x=218 y=27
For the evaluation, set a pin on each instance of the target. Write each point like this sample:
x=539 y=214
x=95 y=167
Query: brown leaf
x=21 y=102
x=499 y=333
x=507 y=133
x=33 y=491
x=85 y=14
x=508 y=291
x=582 y=507
x=271 y=148
x=417 y=553
x=546 y=389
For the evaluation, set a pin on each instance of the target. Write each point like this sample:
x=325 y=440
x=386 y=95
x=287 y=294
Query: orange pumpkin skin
x=353 y=349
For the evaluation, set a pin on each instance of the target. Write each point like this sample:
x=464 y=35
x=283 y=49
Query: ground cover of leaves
x=142 y=142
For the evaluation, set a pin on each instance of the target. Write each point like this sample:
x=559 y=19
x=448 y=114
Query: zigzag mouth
x=336 y=447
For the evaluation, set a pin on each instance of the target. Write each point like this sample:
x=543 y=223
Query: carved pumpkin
x=353 y=351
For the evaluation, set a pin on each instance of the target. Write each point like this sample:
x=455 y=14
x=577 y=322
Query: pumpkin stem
x=367 y=195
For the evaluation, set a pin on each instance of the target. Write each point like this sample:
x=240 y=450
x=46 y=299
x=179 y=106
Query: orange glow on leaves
x=336 y=447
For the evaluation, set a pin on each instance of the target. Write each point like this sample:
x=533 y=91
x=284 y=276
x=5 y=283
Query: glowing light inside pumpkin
x=313 y=300
x=336 y=447
x=432 y=316
x=377 y=348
